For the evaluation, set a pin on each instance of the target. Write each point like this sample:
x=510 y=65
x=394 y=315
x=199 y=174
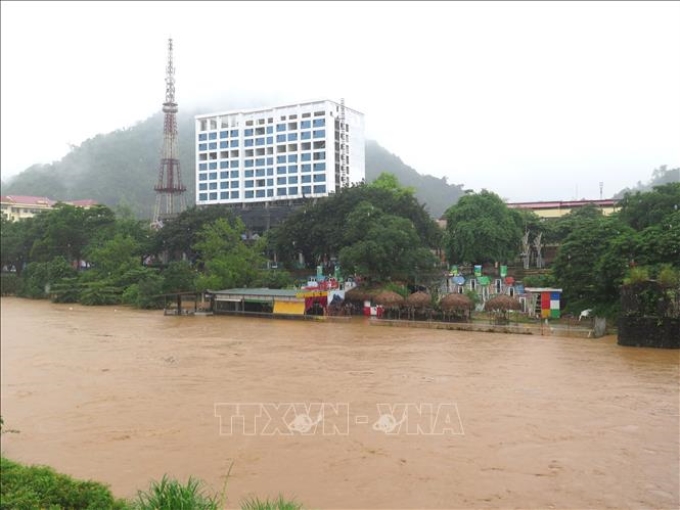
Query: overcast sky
x=532 y=100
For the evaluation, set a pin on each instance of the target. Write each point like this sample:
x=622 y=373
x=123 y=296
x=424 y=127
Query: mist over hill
x=121 y=168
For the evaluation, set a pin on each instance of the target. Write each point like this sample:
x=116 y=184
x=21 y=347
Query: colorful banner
x=478 y=270
x=504 y=271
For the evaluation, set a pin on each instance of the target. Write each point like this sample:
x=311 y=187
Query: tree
x=481 y=228
x=389 y=246
x=227 y=260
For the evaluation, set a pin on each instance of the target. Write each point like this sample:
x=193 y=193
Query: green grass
x=42 y=488
x=267 y=504
x=170 y=494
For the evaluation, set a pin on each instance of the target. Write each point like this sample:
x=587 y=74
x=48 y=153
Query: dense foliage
x=598 y=252
x=378 y=230
x=481 y=228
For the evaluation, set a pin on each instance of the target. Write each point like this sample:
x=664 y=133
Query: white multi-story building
x=285 y=152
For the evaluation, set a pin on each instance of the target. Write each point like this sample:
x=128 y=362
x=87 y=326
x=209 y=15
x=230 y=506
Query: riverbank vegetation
x=37 y=487
x=379 y=231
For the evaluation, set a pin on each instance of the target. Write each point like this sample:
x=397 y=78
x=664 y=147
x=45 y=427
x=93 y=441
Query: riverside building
x=280 y=153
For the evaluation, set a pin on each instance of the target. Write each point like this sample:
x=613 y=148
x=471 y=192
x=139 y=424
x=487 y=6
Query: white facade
x=278 y=153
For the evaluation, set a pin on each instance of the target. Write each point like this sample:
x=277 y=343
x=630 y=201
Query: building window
x=259 y=162
x=280 y=180
x=270 y=130
x=249 y=142
x=319 y=167
x=281 y=192
x=224 y=144
x=224 y=164
x=259 y=131
x=306 y=135
x=306 y=190
x=270 y=171
x=292 y=137
x=270 y=192
x=306 y=156
x=202 y=137
x=212 y=146
x=321 y=188
x=306 y=178
x=319 y=177
x=233 y=133
x=319 y=155
x=234 y=173
x=213 y=196
x=224 y=195
x=203 y=186
x=249 y=194
x=259 y=141
x=224 y=185
x=270 y=182
x=293 y=190
x=212 y=185
x=280 y=170
x=234 y=163
x=292 y=169
x=248 y=174
x=259 y=193
x=202 y=146
x=248 y=132
x=248 y=184
x=203 y=196
x=224 y=134
x=292 y=158
x=270 y=140
x=259 y=172
x=270 y=161
x=212 y=166
x=234 y=194
x=224 y=175
x=280 y=127
x=203 y=166
x=233 y=143
x=319 y=133
x=305 y=124
x=212 y=176
x=293 y=179
x=306 y=167
x=212 y=136
x=280 y=138
x=260 y=183
x=249 y=163
x=319 y=122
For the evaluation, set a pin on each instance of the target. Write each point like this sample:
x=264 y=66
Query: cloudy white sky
x=533 y=100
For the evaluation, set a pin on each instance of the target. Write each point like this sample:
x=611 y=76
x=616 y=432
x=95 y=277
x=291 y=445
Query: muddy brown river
x=340 y=415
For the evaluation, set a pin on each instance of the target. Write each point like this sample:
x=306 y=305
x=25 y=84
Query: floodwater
x=514 y=421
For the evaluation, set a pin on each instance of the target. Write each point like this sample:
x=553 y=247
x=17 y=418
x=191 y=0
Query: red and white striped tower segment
x=170 y=199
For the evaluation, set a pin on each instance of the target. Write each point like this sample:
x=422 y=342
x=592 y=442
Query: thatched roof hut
x=388 y=298
x=358 y=294
x=502 y=303
x=419 y=299
x=452 y=302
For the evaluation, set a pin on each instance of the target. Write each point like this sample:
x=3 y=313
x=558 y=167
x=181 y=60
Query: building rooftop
x=27 y=200
x=272 y=107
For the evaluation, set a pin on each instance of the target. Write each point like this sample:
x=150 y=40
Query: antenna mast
x=170 y=199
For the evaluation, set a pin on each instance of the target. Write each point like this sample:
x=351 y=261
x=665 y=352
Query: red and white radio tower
x=170 y=199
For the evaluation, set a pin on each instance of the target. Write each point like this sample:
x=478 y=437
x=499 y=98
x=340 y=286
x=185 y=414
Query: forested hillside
x=121 y=169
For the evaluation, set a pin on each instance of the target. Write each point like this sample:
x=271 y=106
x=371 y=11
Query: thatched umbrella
x=389 y=299
x=419 y=299
x=499 y=307
x=502 y=304
x=358 y=294
x=453 y=302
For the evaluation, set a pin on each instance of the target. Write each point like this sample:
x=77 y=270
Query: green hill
x=121 y=168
